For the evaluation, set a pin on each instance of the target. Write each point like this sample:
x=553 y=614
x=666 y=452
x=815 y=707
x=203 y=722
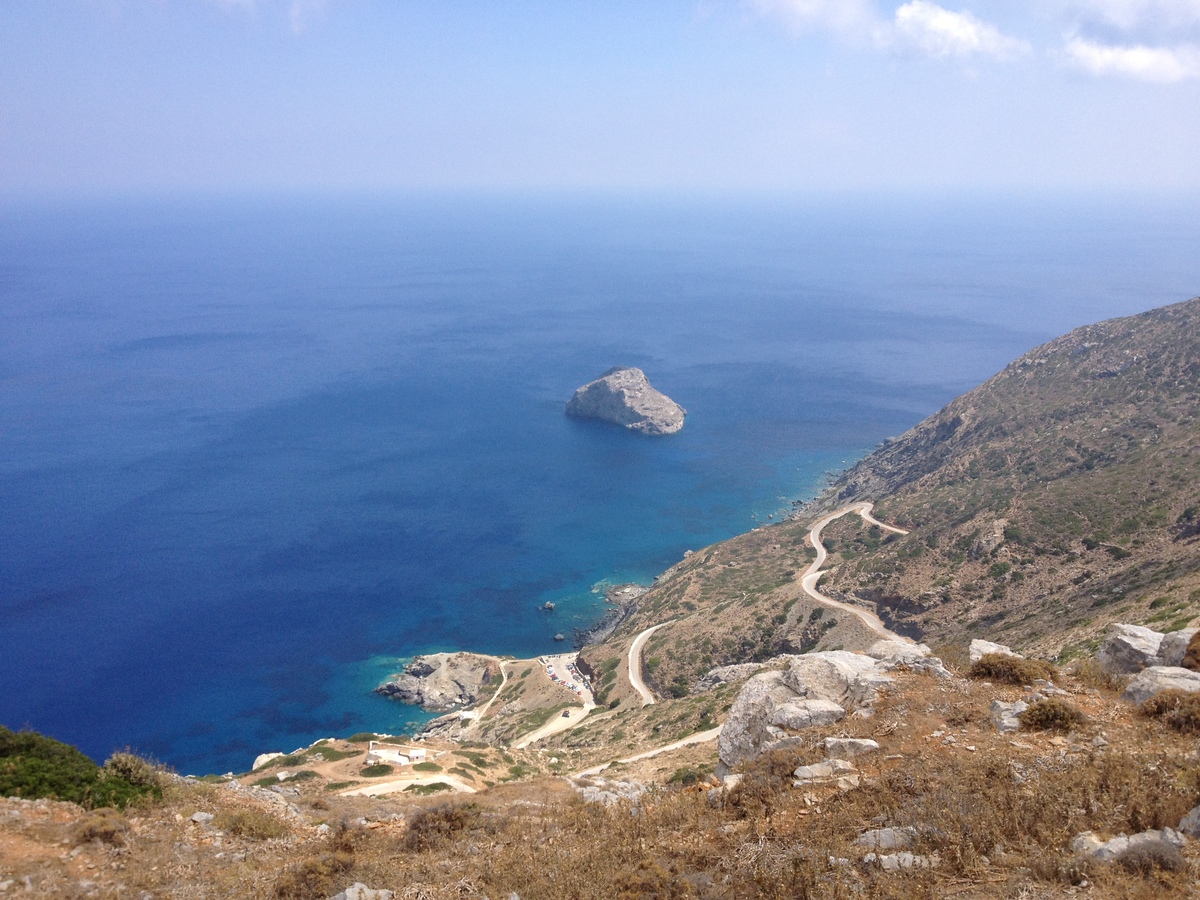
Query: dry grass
x=1052 y=714
x=250 y=823
x=999 y=821
x=1179 y=709
x=1004 y=669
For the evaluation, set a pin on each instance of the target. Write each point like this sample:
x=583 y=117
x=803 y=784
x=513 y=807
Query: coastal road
x=700 y=737
x=810 y=576
x=574 y=716
x=635 y=664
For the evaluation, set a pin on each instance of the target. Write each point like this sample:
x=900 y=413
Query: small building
x=389 y=755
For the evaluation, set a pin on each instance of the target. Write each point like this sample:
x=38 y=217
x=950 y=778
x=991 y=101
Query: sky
x=149 y=96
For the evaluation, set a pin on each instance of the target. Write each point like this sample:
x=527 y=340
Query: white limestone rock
x=849 y=748
x=980 y=649
x=1155 y=679
x=838 y=771
x=878 y=839
x=815 y=689
x=1005 y=716
x=801 y=714
x=359 y=891
x=1088 y=844
x=1190 y=824
x=263 y=758
x=894 y=862
x=1174 y=645
x=623 y=396
x=845 y=678
x=1128 y=649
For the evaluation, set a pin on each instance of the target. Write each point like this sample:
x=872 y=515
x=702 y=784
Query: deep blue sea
x=253 y=451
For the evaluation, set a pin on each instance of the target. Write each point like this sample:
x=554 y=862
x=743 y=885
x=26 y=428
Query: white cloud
x=1160 y=64
x=851 y=17
x=1129 y=14
x=943 y=33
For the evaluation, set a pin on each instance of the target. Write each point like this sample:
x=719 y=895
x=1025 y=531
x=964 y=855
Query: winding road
x=700 y=737
x=810 y=576
x=478 y=714
x=635 y=664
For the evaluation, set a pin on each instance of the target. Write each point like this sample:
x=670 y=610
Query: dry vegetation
x=997 y=811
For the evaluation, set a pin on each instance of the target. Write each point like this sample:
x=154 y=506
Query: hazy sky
x=148 y=95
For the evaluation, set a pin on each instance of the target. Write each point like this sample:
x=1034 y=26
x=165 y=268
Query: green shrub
x=1005 y=669
x=1052 y=715
x=424 y=790
x=363 y=737
x=427 y=767
x=377 y=770
x=33 y=766
x=1179 y=709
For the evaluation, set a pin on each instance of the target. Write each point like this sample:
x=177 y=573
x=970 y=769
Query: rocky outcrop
x=1174 y=647
x=1128 y=649
x=1088 y=844
x=726 y=675
x=1131 y=648
x=812 y=690
x=442 y=681
x=623 y=395
x=979 y=649
x=1155 y=679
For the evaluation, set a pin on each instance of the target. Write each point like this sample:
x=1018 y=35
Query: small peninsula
x=623 y=396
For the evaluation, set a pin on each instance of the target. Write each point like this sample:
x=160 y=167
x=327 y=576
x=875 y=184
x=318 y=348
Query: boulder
x=1174 y=646
x=1190 y=824
x=745 y=733
x=980 y=649
x=1088 y=844
x=608 y=793
x=1006 y=716
x=838 y=771
x=1191 y=656
x=359 y=891
x=848 y=748
x=263 y=758
x=801 y=714
x=623 y=396
x=887 y=839
x=836 y=675
x=1154 y=679
x=1128 y=649
x=815 y=689
x=894 y=862
x=725 y=675
x=915 y=657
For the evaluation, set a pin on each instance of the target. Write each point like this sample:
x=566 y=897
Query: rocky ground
x=888 y=774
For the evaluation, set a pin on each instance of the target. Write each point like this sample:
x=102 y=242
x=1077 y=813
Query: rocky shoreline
x=440 y=682
x=624 y=600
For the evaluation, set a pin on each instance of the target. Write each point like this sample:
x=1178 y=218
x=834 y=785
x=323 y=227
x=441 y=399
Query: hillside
x=1060 y=495
x=1055 y=499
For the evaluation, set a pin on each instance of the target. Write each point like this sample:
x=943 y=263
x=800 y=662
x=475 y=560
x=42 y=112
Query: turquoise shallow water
x=254 y=451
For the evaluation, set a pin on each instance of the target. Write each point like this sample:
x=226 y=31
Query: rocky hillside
x=1058 y=496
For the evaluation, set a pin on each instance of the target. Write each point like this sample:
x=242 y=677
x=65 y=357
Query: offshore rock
x=623 y=395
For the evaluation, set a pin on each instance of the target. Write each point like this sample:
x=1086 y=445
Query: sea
x=258 y=451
